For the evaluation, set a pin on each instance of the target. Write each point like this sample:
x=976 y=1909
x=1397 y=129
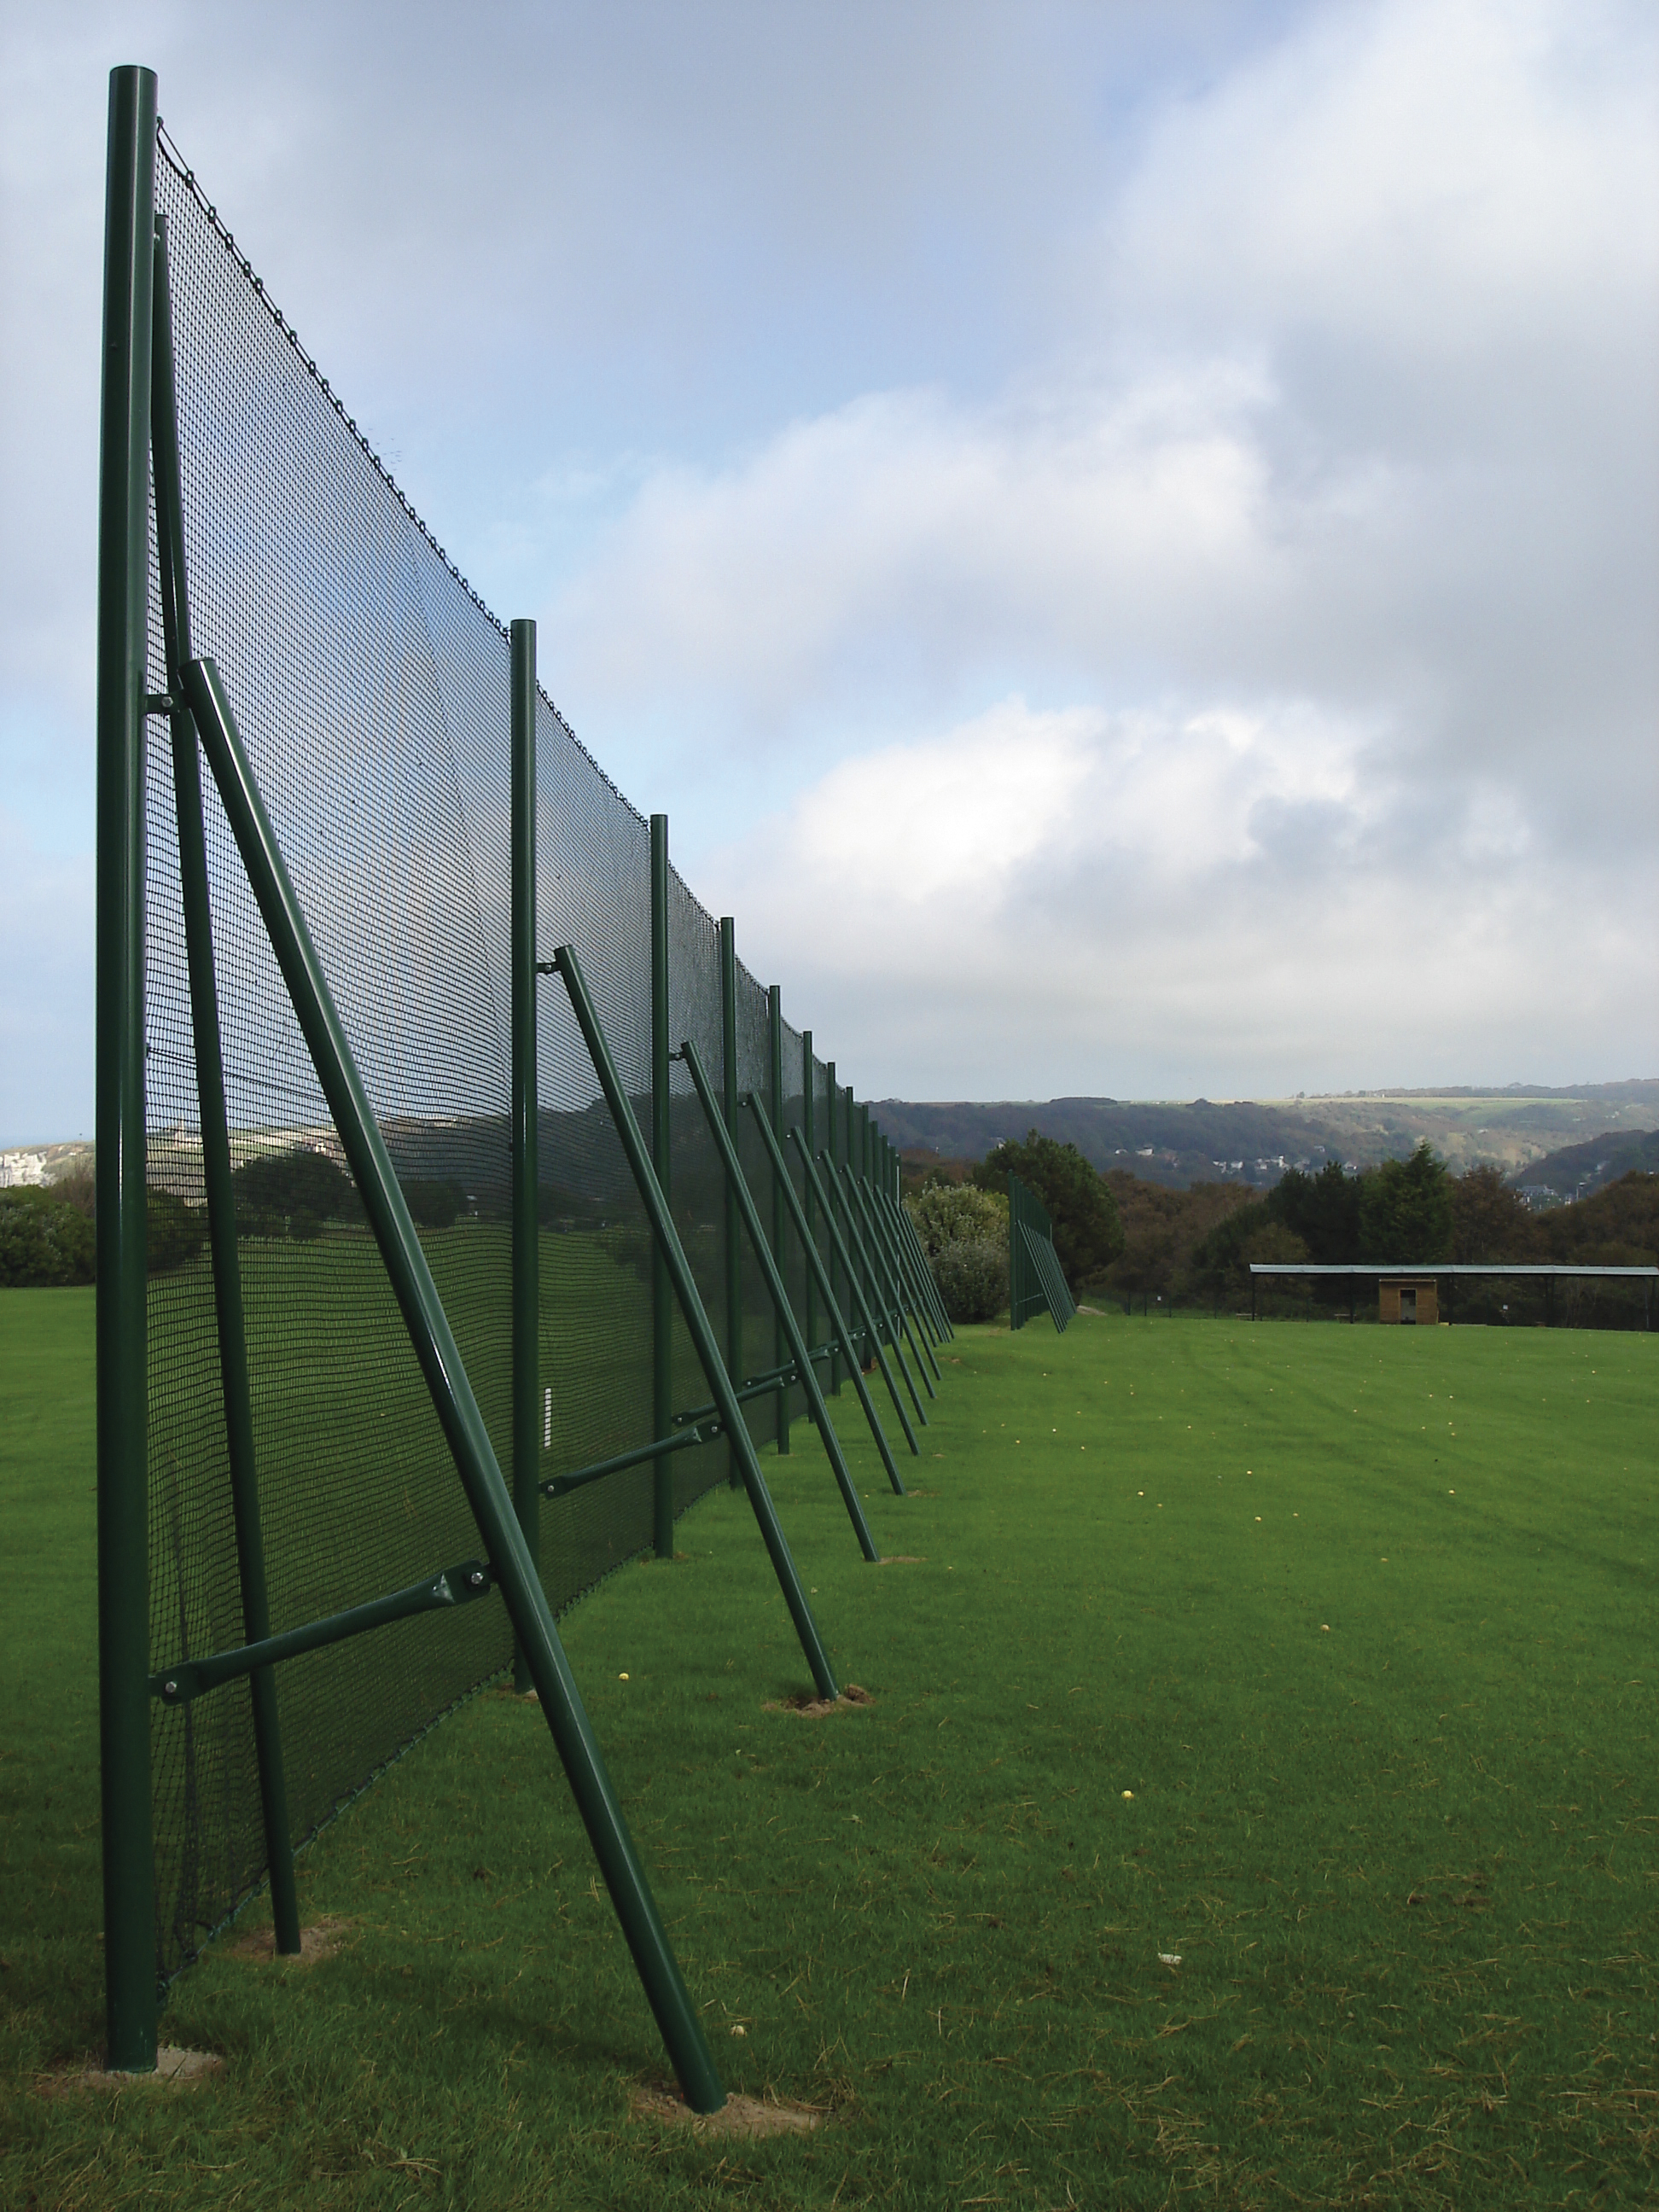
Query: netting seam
x=175 y=160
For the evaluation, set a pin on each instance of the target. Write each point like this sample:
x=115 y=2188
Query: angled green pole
x=876 y=1203
x=911 y=1233
x=799 y=1346
x=838 y=1323
x=811 y=1199
x=124 y=1717
x=451 y=1391
x=842 y=1184
x=888 y=1277
x=888 y=1209
x=729 y=1103
x=196 y=902
x=662 y=1296
x=526 y=1217
x=702 y=1336
x=885 y=1208
x=855 y=1154
x=887 y=1262
x=861 y=1304
x=920 y=1281
x=774 y=1098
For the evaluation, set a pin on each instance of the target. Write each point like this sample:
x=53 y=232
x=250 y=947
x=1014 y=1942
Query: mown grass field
x=1364 y=1620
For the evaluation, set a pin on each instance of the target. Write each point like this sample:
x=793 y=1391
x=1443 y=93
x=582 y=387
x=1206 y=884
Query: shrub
x=289 y=1193
x=43 y=1242
x=965 y=1233
x=432 y=1205
x=973 y=1277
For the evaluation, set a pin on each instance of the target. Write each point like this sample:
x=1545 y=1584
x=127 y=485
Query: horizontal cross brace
x=756 y=1386
x=709 y=1429
x=177 y=1685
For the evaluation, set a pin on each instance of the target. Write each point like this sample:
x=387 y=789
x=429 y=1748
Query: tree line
x=1117 y=1236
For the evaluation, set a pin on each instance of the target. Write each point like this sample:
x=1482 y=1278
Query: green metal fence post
x=799 y=1345
x=702 y=1336
x=662 y=1300
x=886 y=1255
x=841 y=1187
x=838 y=1323
x=872 y=1334
x=451 y=1391
x=122 y=1321
x=808 y=1116
x=196 y=902
x=836 y=1288
x=729 y=1104
x=526 y=1211
x=774 y=1093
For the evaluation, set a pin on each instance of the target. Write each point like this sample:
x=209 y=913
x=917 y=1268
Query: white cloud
x=1149 y=904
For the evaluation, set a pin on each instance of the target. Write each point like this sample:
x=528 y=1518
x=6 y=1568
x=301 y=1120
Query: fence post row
x=799 y=1345
x=886 y=1275
x=775 y=1092
x=662 y=1300
x=526 y=1202
x=811 y=1196
x=841 y=1333
x=844 y=1186
x=807 y=1115
x=872 y=1335
x=734 y=1359
x=696 y=1320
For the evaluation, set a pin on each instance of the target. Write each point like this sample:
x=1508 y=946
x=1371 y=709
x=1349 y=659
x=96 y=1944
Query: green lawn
x=1364 y=1620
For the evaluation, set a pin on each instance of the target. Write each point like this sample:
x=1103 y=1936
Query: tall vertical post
x=123 y=1342
x=526 y=1221
x=729 y=1108
x=774 y=1102
x=807 y=1117
x=662 y=1294
x=837 y=1288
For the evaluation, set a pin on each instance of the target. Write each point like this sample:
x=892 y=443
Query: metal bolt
x=477 y=1578
x=169 y=1689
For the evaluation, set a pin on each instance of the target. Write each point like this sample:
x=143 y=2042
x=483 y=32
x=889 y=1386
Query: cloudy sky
x=1122 y=536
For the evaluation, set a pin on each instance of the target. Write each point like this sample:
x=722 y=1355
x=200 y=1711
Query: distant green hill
x=1595 y=1165
x=1252 y=1141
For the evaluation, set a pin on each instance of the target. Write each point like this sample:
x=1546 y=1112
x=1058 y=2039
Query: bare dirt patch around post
x=320 y=1942
x=175 y=2069
x=744 y=2117
x=815 y=1708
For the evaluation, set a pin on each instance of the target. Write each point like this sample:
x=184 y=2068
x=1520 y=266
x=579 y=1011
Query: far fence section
x=1035 y=1282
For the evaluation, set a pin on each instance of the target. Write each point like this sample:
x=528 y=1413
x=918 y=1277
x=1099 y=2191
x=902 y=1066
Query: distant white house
x=17 y=1169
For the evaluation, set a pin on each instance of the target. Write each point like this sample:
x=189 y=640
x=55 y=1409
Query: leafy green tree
x=1406 y=1210
x=1322 y=1210
x=1088 y=1234
x=175 y=1231
x=290 y=1193
x=1220 y=1268
x=433 y=1204
x=1490 y=1221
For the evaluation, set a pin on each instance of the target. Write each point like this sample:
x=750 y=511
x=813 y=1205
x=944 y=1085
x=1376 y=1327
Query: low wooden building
x=1404 y=1299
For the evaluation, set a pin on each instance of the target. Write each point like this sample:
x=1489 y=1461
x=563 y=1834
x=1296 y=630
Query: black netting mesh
x=371 y=686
